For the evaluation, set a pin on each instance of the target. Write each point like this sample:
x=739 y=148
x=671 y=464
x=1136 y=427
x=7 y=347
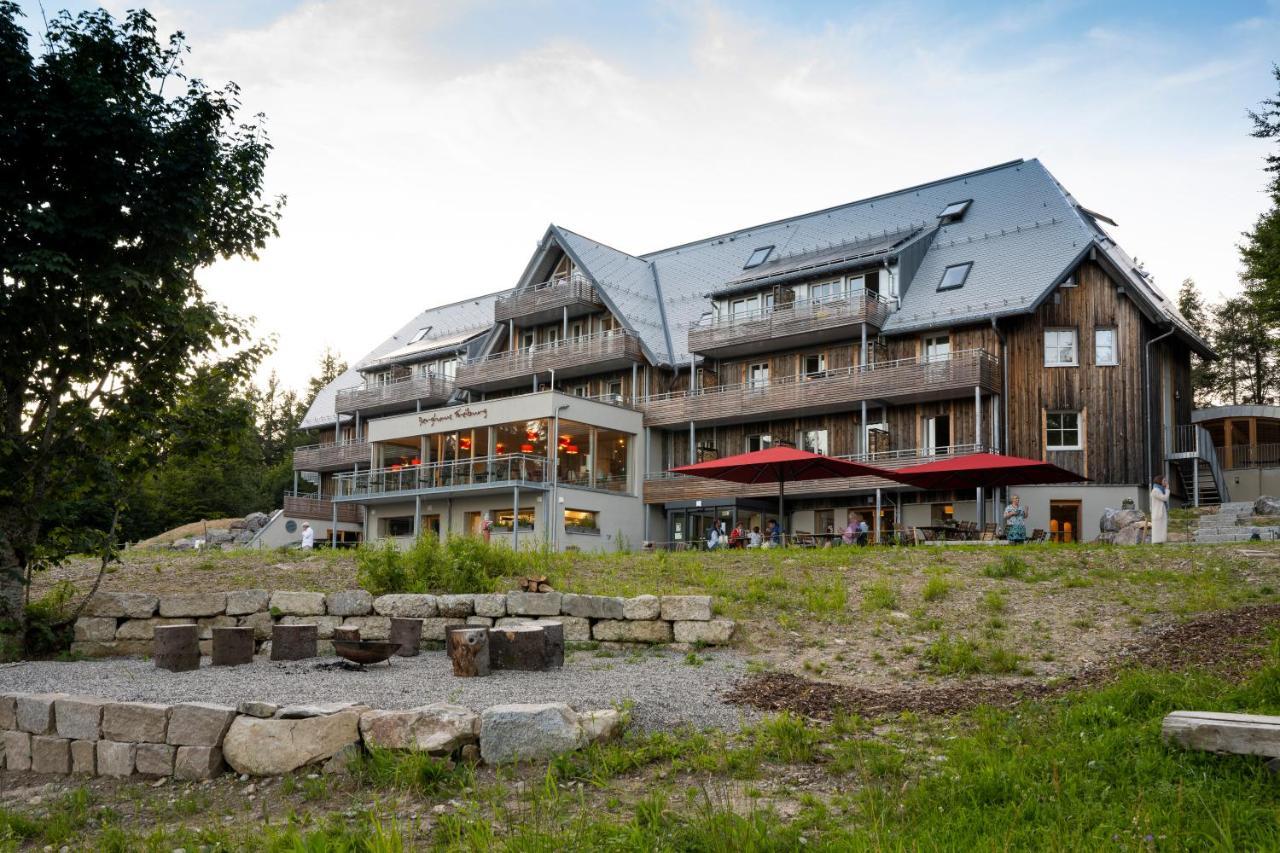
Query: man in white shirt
x=308 y=537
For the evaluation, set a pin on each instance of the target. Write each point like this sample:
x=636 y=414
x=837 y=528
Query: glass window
x=815 y=364
x=528 y=437
x=573 y=456
x=814 y=441
x=758 y=376
x=937 y=348
x=761 y=441
x=612 y=455
x=552 y=335
x=615 y=388
x=1060 y=348
x=527 y=339
x=955 y=210
x=942 y=513
x=826 y=290
x=400 y=526
x=1062 y=431
x=758 y=257
x=420 y=334
x=1104 y=346
x=954 y=276
x=502 y=518
x=581 y=521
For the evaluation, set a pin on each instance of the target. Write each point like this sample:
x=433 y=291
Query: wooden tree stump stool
x=176 y=647
x=519 y=647
x=469 y=651
x=554 y=634
x=293 y=642
x=232 y=646
x=408 y=633
x=347 y=634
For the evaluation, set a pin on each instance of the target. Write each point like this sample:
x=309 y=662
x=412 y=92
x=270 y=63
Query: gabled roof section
x=846 y=255
x=451 y=325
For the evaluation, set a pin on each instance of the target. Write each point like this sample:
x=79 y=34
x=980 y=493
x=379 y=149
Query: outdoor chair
x=989 y=533
x=1037 y=535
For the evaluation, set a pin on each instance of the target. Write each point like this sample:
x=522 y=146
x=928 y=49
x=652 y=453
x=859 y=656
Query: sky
x=425 y=146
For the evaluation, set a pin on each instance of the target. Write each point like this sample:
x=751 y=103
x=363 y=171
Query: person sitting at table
x=773 y=534
x=754 y=539
x=736 y=536
x=864 y=531
x=850 y=533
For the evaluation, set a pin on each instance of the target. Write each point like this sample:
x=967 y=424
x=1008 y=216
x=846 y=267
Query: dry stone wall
x=121 y=624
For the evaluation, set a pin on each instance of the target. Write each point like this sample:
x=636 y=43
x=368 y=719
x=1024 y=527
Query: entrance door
x=937 y=435
x=1064 y=521
x=431 y=525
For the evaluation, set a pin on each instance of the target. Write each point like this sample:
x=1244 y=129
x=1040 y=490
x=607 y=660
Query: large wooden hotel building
x=988 y=311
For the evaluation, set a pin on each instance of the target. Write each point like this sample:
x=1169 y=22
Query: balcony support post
x=333 y=531
x=564 y=323
x=417 y=517
x=863 y=359
x=877 y=517
x=515 y=517
x=634 y=370
x=866 y=451
x=1195 y=473
x=977 y=440
x=693 y=447
x=295 y=481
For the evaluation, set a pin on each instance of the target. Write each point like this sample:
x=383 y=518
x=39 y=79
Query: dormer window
x=954 y=211
x=954 y=276
x=758 y=257
x=420 y=334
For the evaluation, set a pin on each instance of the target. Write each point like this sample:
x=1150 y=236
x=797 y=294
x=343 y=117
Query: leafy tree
x=114 y=190
x=1192 y=307
x=331 y=367
x=1247 y=369
x=1261 y=249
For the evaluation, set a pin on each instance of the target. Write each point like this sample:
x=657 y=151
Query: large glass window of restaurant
x=581 y=521
x=398 y=526
x=611 y=454
x=573 y=454
x=399 y=452
x=527 y=437
x=502 y=518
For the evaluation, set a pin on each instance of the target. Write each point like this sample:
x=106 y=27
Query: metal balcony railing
x=574 y=292
x=462 y=474
x=570 y=357
x=331 y=456
x=320 y=507
x=429 y=388
x=778 y=323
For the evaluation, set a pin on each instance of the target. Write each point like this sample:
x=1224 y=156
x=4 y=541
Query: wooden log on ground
x=554 y=634
x=346 y=634
x=408 y=633
x=176 y=647
x=469 y=651
x=293 y=642
x=518 y=647
x=1241 y=734
x=232 y=646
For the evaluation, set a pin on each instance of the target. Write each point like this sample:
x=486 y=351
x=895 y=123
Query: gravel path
x=667 y=692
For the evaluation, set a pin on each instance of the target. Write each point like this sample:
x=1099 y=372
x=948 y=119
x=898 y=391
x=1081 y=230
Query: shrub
x=1011 y=566
x=879 y=596
x=459 y=565
x=936 y=589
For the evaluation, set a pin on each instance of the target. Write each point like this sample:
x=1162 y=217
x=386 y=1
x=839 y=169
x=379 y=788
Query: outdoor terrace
x=463 y=475
x=331 y=456
x=661 y=487
x=547 y=301
x=580 y=356
x=320 y=507
x=376 y=397
x=803 y=322
x=905 y=380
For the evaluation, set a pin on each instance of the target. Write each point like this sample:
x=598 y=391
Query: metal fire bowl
x=365 y=651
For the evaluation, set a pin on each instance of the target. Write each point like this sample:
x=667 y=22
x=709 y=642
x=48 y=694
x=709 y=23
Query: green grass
x=952 y=656
x=936 y=589
x=879 y=595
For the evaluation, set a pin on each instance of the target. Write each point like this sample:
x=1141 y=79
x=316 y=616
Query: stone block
x=154 y=759
x=492 y=605
x=592 y=606
x=95 y=629
x=577 y=629
x=439 y=728
x=716 y=632
x=8 y=712
x=533 y=603
x=632 y=631
x=84 y=757
x=79 y=717
x=600 y=726
x=206 y=625
x=243 y=602
x=407 y=632
x=193 y=604
x=176 y=648
x=264 y=710
x=297 y=603
x=433 y=629
x=324 y=624
x=50 y=754
x=508 y=621
x=260 y=623
x=232 y=646
x=456 y=605
x=406 y=604
x=371 y=627
x=349 y=602
x=122 y=605
x=510 y=733
x=135 y=722
x=197 y=762
x=275 y=747
x=116 y=759
x=481 y=621
x=686 y=608
x=642 y=607
x=35 y=712
x=144 y=629
x=199 y=724
x=293 y=642
x=17 y=750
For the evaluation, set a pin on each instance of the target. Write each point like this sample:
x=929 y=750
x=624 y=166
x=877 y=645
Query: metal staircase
x=1197 y=465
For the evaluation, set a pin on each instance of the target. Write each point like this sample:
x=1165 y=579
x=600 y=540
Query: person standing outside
x=1015 y=521
x=1160 y=511
x=308 y=536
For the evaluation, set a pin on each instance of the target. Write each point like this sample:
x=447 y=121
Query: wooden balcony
x=548 y=301
x=331 y=457
x=320 y=508
x=669 y=488
x=807 y=321
x=374 y=398
x=572 y=357
x=910 y=380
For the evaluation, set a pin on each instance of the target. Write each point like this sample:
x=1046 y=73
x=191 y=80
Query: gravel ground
x=667 y=691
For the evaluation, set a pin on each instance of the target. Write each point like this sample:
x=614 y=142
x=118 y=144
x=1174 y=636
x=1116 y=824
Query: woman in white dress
x=1160 y=511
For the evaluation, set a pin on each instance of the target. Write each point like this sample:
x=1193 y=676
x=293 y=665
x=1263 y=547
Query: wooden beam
x=1241 y=734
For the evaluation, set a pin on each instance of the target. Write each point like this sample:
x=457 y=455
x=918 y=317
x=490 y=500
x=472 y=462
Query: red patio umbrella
x=982 y=471
x=779 y=464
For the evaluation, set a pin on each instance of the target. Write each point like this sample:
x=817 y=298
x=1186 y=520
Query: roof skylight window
x=758 y=257
x=420 y=334
x=953 y=277
x=955 y=211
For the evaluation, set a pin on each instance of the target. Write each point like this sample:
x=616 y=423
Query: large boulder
x=510 y=733
x=412 y=605
x=592 y=606
x=273 y=747
x=1266 y=505
x=255 y=521
x=297 y=603
x=439 y=728
x=1115 y=519
x=130 y=605
x=349 y=602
